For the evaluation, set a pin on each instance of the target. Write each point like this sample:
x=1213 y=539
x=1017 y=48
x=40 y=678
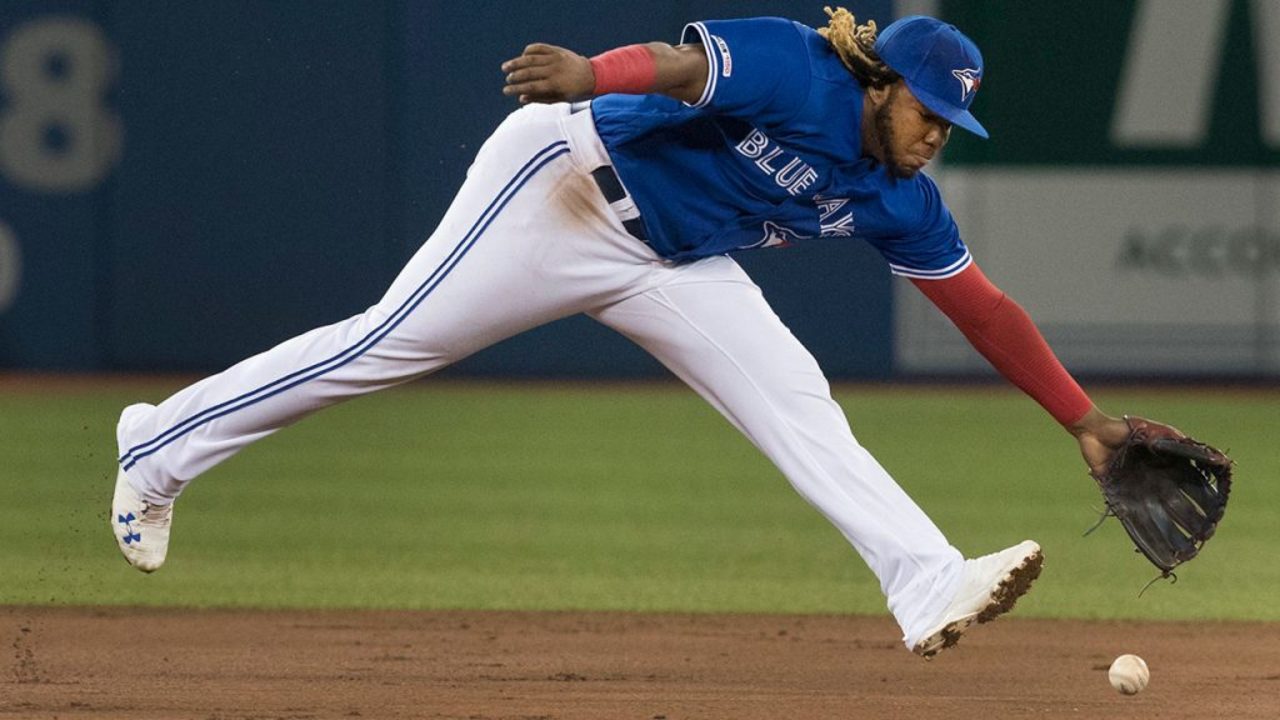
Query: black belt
x=607 y=178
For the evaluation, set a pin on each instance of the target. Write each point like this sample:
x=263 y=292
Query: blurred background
x=183 y=184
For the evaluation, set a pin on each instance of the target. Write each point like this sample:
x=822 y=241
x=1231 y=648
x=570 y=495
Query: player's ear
x=879 y=96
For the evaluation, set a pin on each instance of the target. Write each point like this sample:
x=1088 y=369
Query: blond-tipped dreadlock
x=855 y=44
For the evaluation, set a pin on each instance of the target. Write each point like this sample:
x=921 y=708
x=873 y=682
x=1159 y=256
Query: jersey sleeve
x=921 y=239
x=758 y=68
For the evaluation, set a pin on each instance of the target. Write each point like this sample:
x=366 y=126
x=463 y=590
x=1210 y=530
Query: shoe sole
x=1013 y=586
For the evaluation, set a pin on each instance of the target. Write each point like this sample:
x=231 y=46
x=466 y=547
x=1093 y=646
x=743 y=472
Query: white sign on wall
x=1144 y=271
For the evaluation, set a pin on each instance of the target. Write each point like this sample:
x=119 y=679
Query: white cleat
x=989 y=587
x=141 y=529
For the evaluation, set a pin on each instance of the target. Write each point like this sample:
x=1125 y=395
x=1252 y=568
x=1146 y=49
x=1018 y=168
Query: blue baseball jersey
x=770 y=155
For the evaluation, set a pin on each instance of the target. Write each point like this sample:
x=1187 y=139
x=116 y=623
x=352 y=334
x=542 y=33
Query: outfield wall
x=186 y=183
x=183 y=184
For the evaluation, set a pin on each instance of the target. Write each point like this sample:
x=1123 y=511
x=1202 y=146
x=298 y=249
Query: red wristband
x=631 y=70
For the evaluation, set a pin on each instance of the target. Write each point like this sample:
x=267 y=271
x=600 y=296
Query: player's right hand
x=547 y=74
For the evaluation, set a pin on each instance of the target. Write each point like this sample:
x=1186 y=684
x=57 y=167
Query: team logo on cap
x=970 y=81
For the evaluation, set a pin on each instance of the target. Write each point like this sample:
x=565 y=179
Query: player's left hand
x=1099 y=435
x=547 y=74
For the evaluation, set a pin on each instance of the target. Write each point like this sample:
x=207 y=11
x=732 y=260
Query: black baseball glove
x=1168 y=490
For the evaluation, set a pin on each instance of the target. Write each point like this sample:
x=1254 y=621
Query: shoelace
x=155 y=513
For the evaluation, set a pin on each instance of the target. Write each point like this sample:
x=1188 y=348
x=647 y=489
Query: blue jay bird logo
x=775 y=235
x=970 y=80
x=130 y=537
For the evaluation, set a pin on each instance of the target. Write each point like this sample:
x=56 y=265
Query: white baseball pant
x=530 y=239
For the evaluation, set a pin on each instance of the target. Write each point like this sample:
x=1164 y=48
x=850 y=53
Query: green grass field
x=542 y=496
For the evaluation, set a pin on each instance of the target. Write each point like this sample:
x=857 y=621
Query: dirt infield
x=224 y=665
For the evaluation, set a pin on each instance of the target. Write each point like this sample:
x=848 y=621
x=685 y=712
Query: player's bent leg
x=712 y=327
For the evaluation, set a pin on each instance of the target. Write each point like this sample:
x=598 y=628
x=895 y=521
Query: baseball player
x=618 y=190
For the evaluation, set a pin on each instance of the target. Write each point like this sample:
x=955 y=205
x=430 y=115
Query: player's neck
x=870 y=138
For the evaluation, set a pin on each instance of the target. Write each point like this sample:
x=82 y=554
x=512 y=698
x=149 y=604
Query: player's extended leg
x=528 y=239
x=712 y=327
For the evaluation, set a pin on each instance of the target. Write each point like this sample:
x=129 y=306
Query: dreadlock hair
x=856 y=46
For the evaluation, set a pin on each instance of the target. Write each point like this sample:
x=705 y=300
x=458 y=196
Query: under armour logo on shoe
x=130 y=536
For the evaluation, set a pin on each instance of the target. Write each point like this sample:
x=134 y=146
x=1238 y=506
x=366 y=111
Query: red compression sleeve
x=631 y=70
x=1003 y=332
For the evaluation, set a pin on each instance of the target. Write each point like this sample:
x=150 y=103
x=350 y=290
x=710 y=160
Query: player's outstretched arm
x=547 y=73
x=1003 y=332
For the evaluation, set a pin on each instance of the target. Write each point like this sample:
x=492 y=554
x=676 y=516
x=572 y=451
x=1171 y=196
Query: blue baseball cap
x=941 y=66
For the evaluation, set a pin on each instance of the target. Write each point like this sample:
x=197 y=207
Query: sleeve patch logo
x=970 y=80
x=726 y=58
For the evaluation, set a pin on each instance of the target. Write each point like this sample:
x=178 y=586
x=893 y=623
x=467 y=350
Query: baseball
x=1129 y=674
